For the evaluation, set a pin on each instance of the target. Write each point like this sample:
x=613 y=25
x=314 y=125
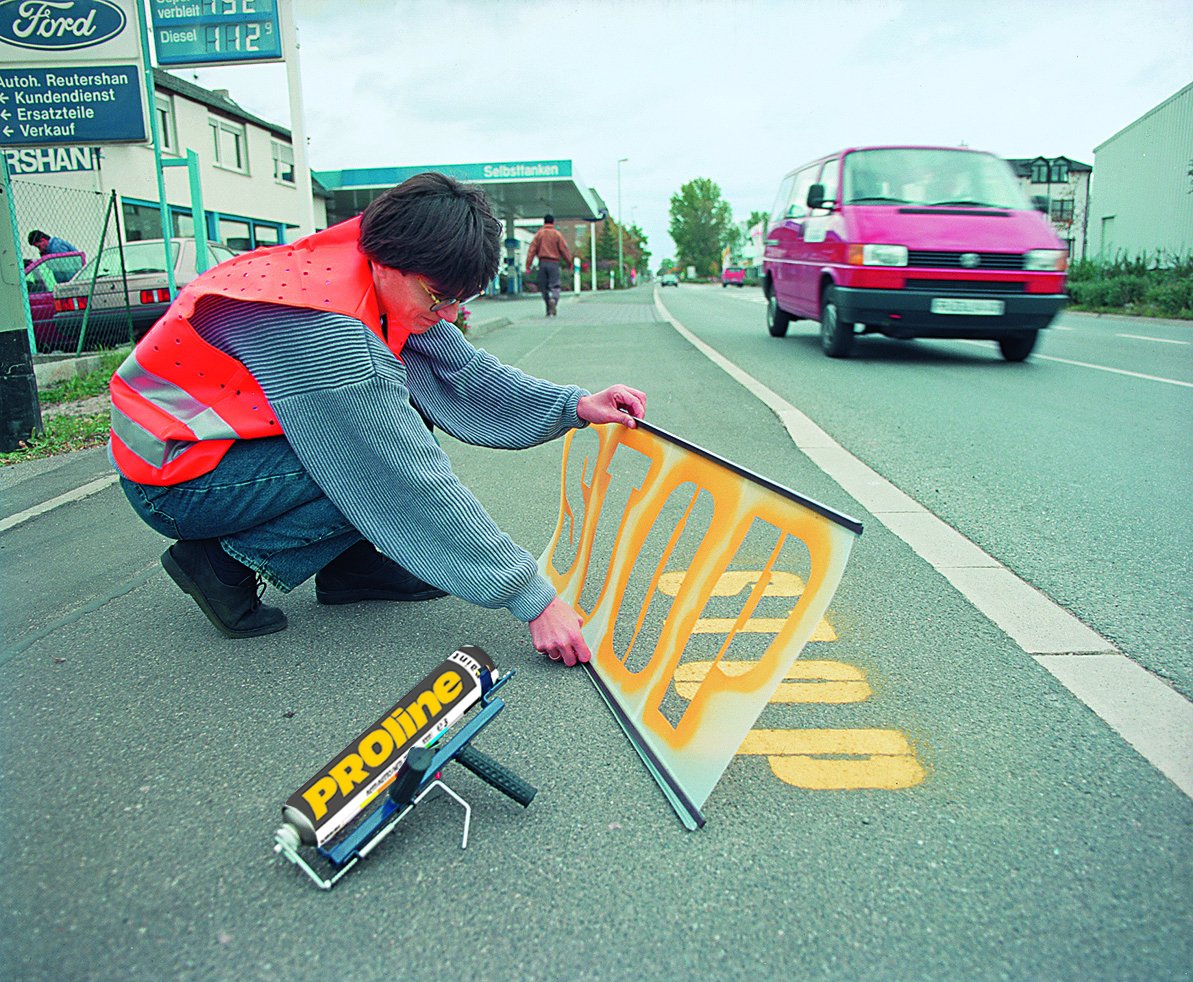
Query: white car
x=115 y=311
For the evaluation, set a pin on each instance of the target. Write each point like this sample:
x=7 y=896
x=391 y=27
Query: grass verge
x=1142 y=287
x=61 y=434
x=64 y=432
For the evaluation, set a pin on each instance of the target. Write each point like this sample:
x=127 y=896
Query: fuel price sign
x=215 y=32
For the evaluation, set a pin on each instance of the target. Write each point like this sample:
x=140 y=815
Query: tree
x=641 y=253
x=634 y=251
x=701 y=225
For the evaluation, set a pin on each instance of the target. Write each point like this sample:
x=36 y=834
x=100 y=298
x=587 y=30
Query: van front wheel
x=836 y=337
x=777 y=319
x=1018 y=346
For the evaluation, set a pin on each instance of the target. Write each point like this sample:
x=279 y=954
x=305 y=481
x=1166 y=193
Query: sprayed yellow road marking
x=730 y=584
x=806 y=681
x=733 y=581
x=837 y=760
x=759 y=625
x=818 y=760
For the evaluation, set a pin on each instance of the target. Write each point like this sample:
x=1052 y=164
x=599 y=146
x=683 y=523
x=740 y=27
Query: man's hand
x=556 y=633
x=615 y=404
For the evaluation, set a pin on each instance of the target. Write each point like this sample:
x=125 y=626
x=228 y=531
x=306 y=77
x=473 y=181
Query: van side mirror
x=1039 y=203
x=816 y=196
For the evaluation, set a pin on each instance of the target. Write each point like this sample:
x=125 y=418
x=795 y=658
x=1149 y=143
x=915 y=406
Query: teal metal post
x=202 y=260
x=95 y=273
x=151 y=95
x=20 y=411
x=11 y=216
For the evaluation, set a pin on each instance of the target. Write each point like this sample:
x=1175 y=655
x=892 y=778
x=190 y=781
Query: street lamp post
x=620 y=270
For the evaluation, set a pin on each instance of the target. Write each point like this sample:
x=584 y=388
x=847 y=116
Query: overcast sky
x=739 y=92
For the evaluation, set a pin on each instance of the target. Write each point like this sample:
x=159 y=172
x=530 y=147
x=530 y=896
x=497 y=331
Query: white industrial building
x=1142 y=201
x=250 y=196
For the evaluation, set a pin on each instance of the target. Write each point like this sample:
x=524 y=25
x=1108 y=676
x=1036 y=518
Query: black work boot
x=362 y=573
x=236 y=608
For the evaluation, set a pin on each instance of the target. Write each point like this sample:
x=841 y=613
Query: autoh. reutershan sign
x=71 y=73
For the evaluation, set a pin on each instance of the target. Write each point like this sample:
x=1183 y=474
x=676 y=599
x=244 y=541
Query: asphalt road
x=145 y=758
x=1073 y=468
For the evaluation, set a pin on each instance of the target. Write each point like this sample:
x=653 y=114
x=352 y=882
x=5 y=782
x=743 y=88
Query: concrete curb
x=1095 y=315
x=480 y=330
x=52 y=369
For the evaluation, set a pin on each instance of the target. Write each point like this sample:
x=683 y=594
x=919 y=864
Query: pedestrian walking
x=551 y=249
x=272 y=422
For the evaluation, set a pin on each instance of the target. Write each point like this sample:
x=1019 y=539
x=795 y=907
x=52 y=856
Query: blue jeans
x=263 y=507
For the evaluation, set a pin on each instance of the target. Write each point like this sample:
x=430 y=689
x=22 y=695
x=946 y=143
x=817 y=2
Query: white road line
x=1152 y=717
x=1100 y=368
x=1117 y=371
x=66 y=498
x=1144 y=337
x=1149 y=714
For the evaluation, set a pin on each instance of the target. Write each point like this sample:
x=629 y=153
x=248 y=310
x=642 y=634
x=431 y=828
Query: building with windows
x=1143 y=197
x=1061 y=188
x=250 y=196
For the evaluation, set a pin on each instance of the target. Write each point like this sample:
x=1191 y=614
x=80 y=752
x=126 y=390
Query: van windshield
x=906 y=176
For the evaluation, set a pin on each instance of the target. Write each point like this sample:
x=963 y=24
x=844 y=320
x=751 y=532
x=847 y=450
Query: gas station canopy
x=522 y=189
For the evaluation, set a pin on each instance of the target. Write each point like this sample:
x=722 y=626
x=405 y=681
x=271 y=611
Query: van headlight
x=1046 y=260
x=877 y=255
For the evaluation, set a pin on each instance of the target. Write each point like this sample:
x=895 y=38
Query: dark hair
x=435 y=226
x=36 y=236
x=548 y=219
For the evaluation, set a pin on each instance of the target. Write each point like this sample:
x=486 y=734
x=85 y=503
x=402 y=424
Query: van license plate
x=981 y=308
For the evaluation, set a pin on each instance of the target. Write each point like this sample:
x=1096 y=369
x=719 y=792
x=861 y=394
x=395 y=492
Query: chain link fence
x=78 y=299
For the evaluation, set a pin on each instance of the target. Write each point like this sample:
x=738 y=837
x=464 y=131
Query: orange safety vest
x=178 y=403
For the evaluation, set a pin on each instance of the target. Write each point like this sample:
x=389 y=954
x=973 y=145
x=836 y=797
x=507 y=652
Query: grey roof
x=218 y=101
x=1136 y=122
x=1022 y=165
x=226 y=106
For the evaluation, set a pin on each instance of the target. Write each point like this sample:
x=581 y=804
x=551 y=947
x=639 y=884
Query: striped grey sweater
x=345 y=404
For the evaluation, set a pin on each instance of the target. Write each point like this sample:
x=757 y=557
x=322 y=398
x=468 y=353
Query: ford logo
x=970 y=260
x=59 y=25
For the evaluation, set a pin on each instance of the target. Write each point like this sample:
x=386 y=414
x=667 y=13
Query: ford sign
x=59 y=25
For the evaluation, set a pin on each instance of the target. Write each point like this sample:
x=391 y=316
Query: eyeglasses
x=437 y=302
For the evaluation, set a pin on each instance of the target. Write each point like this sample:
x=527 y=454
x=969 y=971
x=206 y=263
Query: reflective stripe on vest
x=138 y=440
x=200 y=419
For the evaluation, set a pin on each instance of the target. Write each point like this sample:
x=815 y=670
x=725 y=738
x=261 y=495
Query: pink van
x=911 y=242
